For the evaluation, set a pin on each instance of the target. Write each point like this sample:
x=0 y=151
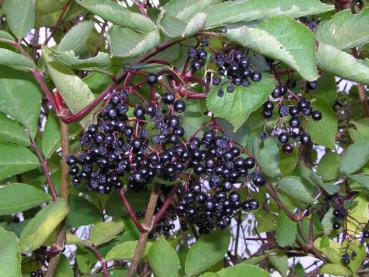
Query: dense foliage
x=184 y=138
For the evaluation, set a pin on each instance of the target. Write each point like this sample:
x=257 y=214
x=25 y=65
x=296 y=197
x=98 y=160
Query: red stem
x=44 y=88
x=100 y=259
x=166 y=204
x=131 y=212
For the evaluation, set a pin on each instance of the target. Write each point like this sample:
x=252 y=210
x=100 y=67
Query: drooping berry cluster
x=119 y=145
x=198 y=55
x=293 y=111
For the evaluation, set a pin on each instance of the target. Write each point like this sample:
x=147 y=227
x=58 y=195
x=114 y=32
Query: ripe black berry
x=316 y=115
x=168 y=98
x=287 y=148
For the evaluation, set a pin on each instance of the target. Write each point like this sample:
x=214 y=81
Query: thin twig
x=166 y=204
x=102 y=261
x=131 y=212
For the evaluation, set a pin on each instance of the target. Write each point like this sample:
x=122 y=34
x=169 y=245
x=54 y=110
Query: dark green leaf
x=293 y=186
x=328 y=166
x=17 y=197
x=20 y=16
x=83 y=212
x=242 y=270
x=280 y=261
x=236 y=107
x=193 y=117
x=268 y=158
x=77 y=37
x=286 y=230
x=15 y=159
x=51 y=137
x=354 y=158
x=163 y=259
x=10 y=256
x=11 y=131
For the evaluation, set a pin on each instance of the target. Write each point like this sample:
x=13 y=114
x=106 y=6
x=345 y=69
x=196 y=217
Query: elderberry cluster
x=339 y=214
x=234 y=69
x=212 y=199
x=293 y=111
x=120 y=146
x=198 y=55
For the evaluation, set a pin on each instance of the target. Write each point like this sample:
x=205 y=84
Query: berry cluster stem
x=131 y=212
x=97 y=254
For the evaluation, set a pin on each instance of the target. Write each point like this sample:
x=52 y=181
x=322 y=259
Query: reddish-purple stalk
x=166 y=204
x=97 y=254
x=131 y=212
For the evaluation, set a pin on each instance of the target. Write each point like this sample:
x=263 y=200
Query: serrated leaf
x=15 y=60
x=345 y=30
x=293 y=186
x=354 y=158
x=286 y=230
x=294 y=46
x=115 y=13
x=20 y=98
x=324 y=131
x=103 y=232
x=163 y=259
x=10 y=256
x=242 y=270
x=246 y=11
x=77 y=37
x=336 y=270
x=16 y=159
x=12 y=131
x=17 y=197
x=75 y=93
x=339 y=63
x=126 y=250
x=101 y=62
x=236 y=107
x=185 y=9
x=20 y=16
x=174 y=27
x=51 y=137
x=125 y=42
x=207 y=251
x=42 y=225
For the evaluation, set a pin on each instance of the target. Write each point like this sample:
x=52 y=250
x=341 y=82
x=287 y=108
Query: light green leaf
x=293 y=186
x=115 y=13
x=207 y=251
x=336 y=270
x=42 y=225
x=341 y=64
x=64 y=268
x=126 y=250
x=6 y=36
x=20 y=98
x=361 y=131
x=10 y=256
x=20 y=16
x=280 y=262
x=75 y=93
x=236 y=107
x=51 y=137
x=361 y=180
x=125 y=42
x=77 y=37
x=11 y=131
x=286 y=230
x=345 y=30
x=17 y=197
x=361 y=215
x=324 y=131
x=295 y=45
x=16 y=159
x=163 y=259
x=328 y=167
x=101 y=62
x=242 y=270
x=354 y=158
x=103 y=232
x=331 y=250
x=246 y=11
x=268 y=158
x=185 y=9
x=15 y=60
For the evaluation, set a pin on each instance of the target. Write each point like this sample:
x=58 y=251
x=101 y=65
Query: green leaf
x=361 y=131
x=207 y=251
x=125 y=42
x=75 y=93
x=83 y=212
x=336 y=270
x=42 y=225
x=103 y=232
x=236 y=107
x=16 y=159
x=173 y=27
x=77 y=37
x=101 y=62
x=294 y=46
x=341 y=64
x=193 y=117
x=293 y=186
x=286 y=230
x=20 y=98
x=126 y=250
x=324 y=131
x=360 y=213
x=163 y=259
x=185 y=9
x=10 y=256
x=362 y=180
x=115 y=13
x=11 y=131
x=51 y=137
x=17 y=197
x=6 y=36
x=242 y=270
x=15 y=60
x=328 y=167
x=345 y=30
x=246 y=11
x=268 y=158
x=354 y=158
x=20 y=16
x=280 y=262
x=64 y=268
x=331 y=250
